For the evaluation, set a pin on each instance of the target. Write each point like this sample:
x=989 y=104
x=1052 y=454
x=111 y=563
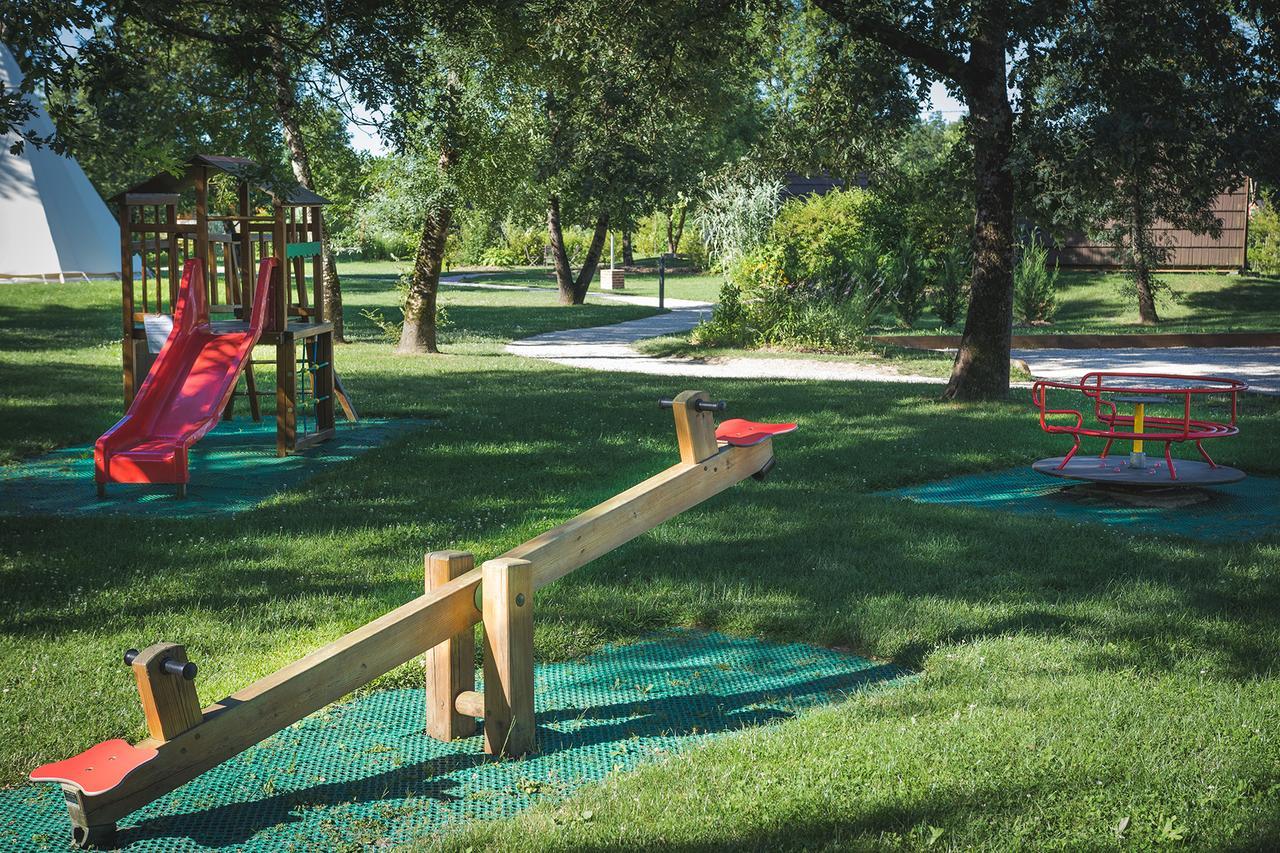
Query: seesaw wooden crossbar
x=329 y=673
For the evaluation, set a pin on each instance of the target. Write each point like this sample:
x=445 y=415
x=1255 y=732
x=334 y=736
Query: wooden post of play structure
x=317 y=266
x=450 y=666
x=126 y=298
x=695 y=430
x=247 y=273
x=169 y=701
x=507 y=593
x=202 y=236
x=286 y=353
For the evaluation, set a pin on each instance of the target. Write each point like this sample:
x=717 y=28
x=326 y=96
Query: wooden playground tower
x=155 y=243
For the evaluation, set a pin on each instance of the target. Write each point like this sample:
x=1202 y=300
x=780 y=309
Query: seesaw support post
x=450 y=666
x=507 y=590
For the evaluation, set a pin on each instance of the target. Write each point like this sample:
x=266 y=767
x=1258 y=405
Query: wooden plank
x=637 y=510
x=126 y=306
x=317 y=264
x=311 y=439
x=280 y=280
x=168 y=701
x=323 y=384
x=348 y=407
x=507 y=591
x=695 y=430
x=328 y=674
x=286 y=395
x=152 y=198
x=202 y=234
x=450 y=666
x=291 y=693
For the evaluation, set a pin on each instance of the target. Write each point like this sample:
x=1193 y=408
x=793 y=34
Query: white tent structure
x=53 y=223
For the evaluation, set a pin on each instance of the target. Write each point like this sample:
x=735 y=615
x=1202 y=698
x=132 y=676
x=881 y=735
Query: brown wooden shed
x=1189 y=251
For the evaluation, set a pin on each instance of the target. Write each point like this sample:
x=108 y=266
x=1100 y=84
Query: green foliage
x=736 y=215
x=1264 y=236
x=1035 y=285
x=905 y=280
x=823 y=238
x=925 y=190
x=949 y=292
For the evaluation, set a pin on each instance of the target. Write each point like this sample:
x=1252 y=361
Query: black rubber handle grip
x=698 y=405
x=186 y=670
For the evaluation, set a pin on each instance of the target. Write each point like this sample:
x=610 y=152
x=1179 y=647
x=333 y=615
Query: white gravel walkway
x=1259 y=366
x=609 y=348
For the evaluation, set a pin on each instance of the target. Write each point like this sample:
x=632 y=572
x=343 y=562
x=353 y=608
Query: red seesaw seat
x=742 y=433
x=98 y=769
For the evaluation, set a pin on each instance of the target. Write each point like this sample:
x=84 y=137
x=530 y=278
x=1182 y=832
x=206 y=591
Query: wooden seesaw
x=114 y=778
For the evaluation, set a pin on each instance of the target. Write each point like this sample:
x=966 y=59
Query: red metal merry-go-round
x=1184 y=408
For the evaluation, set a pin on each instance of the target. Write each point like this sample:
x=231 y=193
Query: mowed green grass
x=1077 y=688
x=1099 y=303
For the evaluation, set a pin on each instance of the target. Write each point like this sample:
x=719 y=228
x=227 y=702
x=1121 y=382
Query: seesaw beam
x=331 y=672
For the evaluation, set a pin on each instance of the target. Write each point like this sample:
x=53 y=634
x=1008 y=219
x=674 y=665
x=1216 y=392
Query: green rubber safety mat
x=233 y=468
x=1238 y=512
x=362 y=774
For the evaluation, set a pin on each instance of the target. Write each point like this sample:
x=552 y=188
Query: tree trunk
x=674 y=235
x=981 y=368
x=418 y=335
x=628 y=252
x=300 y=160
x=1146 y=300
x=574 y=291
x=1140 y=258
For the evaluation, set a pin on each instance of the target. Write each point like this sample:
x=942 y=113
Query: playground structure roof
x=238 y=167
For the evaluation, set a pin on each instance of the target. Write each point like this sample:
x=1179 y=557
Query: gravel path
x=610 y=348
x=1259 y=366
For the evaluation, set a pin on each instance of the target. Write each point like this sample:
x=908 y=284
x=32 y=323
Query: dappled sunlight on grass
x=1051 y=655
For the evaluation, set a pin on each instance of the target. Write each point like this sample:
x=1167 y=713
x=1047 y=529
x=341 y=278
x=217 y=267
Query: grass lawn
x=1096 y=302
x=1077 y=688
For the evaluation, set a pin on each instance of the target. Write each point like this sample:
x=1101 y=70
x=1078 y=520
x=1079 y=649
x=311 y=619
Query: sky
x=363 y=139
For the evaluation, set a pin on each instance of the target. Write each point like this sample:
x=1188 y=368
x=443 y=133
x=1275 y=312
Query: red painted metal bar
x=1114 y=426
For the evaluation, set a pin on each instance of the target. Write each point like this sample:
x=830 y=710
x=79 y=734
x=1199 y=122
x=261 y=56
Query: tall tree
x=624 y=89
x=1143 y=117
x=985 y=50
x=460 y=125
x=967 y=46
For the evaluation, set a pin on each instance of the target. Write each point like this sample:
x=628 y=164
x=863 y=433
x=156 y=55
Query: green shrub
x=823 y=236
x=1264 y=236
x=905 y=282
x=1035 y=285
x=949 y=293
x=727 y=326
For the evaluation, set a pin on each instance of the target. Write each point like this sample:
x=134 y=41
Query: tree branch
x=871 y=26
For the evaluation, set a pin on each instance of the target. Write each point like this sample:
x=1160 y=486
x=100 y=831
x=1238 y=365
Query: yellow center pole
x=1139 y=412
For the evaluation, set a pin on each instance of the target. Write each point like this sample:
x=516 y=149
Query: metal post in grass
x=662 y=280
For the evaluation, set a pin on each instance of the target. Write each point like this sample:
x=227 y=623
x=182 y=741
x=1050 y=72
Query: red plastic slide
x=184 y=394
